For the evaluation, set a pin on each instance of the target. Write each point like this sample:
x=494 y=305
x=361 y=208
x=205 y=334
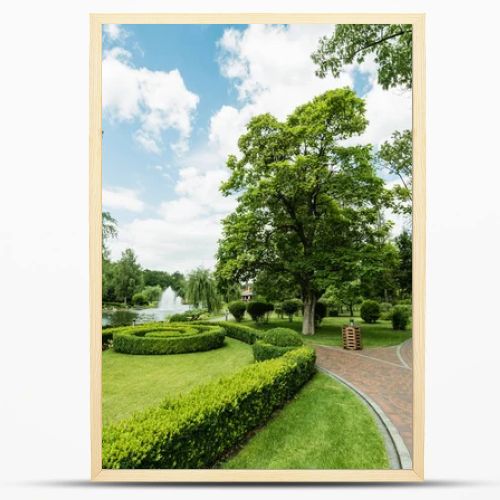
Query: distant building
x=246 y=294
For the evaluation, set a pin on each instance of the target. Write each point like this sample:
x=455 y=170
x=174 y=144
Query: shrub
x=319 y=312
x=239 y=332
x=138 y=299
x=257 y=309
x=333 y=312
x=282 y=337
x=158 y=338
x=263 y=352
x=195 y=430
x=370 y=311
x=178 y=318
x=385 y=306
x=237 y=309
x=191 y=315
x=276 y=342
x=290 y=307
x=400 y=317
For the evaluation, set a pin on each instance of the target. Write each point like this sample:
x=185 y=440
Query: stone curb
x=399 y=456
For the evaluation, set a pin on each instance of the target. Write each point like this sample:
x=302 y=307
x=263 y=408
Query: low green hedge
x=238 y=332
x=196 y=429
x=161 y=338
x=282 y=337
x=275 y=343
x=263 y=351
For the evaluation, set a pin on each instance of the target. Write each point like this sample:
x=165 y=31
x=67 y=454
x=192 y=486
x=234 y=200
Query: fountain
x=169 y=304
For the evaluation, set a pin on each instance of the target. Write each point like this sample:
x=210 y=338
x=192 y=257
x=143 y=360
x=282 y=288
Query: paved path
x=384 y=374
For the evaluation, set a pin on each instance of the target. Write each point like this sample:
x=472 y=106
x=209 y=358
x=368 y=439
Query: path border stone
x=399 y=456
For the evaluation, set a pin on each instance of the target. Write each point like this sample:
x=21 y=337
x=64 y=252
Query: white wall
x=44 y=362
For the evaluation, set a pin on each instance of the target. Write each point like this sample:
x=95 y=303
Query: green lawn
x=324 y=427
x=330 y=332
x=132 y=382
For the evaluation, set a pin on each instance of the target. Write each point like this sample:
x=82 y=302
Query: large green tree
x=390 y=44
x=201 y=290
x=404 y=244
x=109 y=230
x=307 y=203
x=127 y=276
x=396 y=156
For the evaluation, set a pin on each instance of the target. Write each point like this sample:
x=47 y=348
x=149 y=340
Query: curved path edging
x=399 y=456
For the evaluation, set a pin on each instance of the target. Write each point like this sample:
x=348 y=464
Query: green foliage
x=344 y=293
x=282 y=337
x=152 y=293
x=127 y=276
x=391 y=44
x=370 y=311
x=289 y=307
x=276 y=342
x=158 y=338
x=190 y=315
x=257 y=309
x=404 y=275
x=400 y=317
x=195 y=430
x=306 y=202
x=201 y=290
x=397 y=158
x=263 y=351
x=138 y=299
x=237 y=308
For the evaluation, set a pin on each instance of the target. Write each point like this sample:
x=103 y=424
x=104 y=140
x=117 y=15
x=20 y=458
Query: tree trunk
x=309 y=308
x=351 y=310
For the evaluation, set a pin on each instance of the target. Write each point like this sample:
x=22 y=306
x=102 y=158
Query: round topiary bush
x=400 y=317
x=159 y=338
x=257 y=309
x=370 y=311
x=276 y=342
x=282 y=337
x=237 y=309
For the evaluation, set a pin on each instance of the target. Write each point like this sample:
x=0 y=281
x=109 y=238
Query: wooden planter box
x=351 y=338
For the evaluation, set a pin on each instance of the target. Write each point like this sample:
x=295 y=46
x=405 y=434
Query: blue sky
x=175 y=100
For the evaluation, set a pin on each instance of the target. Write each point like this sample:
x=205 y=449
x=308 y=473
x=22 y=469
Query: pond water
x=169 y=304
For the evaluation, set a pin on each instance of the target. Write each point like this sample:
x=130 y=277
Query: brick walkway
x=384 y=374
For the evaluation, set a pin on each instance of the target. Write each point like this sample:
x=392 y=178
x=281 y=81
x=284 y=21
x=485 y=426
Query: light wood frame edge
x=95 y=245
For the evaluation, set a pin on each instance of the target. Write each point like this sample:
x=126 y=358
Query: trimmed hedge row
x=238 y=332
x=166 y=339
x=263 y=351
x=275 y=343
x=195 y=430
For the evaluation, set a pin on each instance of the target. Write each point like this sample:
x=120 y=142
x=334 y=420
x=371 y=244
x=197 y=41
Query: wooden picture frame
x=416 y=473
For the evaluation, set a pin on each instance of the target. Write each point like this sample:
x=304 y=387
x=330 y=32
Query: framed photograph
x=257 y=247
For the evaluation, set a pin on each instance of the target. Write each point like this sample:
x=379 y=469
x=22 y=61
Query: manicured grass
x=324 y=427
x=379 y=334
x=133 y=382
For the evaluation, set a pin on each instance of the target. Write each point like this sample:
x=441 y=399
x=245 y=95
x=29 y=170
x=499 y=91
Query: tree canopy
x=307 y=203
x=390 y=44
x=201 y=290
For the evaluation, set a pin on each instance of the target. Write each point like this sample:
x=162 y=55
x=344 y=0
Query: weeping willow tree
x=201 y=290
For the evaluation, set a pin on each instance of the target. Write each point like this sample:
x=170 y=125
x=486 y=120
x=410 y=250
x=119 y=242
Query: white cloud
x=273 y=73
x=185 y=233
x=115 y=32
x=157 y=100
x=119 y=198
